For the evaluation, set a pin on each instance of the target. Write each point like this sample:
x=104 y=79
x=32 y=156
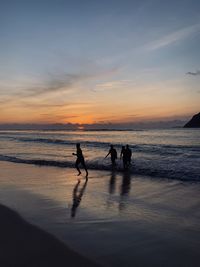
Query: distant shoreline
x=129 y=126
x=94 y=130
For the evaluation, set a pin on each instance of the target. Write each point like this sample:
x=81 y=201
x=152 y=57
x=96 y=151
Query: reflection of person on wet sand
x=112 y=182
x=126 y=184
x=77 y=196
x=80 y=159
x=113 y=154
x=125 y=189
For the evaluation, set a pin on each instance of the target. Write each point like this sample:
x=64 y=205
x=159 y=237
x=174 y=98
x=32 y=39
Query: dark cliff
x=194 y=122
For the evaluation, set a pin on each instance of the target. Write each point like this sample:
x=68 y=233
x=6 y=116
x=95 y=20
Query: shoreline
x=134 y=170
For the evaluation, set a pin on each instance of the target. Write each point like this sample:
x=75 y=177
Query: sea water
x=146 y=215
x=172 y=153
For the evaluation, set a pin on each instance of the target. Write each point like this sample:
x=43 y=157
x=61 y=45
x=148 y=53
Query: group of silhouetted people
x=125 y=155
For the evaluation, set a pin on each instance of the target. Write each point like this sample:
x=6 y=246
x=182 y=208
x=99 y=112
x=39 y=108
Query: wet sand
x=23 y=244
x=114 y=219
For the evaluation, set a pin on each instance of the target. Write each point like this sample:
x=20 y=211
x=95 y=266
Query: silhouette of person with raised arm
x=77 y=196
x=128 y=155
x=123 y=156
x=80 y=159
x=113 y=155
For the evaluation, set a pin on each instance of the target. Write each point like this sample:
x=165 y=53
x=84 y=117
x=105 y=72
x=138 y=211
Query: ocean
x=171 y=154
x=147 y=215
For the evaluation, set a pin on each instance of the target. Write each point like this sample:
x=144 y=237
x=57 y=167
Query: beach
x=23 y=244
x=114 y=219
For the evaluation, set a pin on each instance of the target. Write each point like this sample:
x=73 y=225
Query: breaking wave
x=137 y=168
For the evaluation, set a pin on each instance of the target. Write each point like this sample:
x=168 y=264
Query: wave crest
x=183 y=175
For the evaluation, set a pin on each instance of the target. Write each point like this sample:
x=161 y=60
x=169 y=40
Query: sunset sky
x=99 y=61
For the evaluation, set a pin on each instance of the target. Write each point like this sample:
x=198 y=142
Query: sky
x=91 y=62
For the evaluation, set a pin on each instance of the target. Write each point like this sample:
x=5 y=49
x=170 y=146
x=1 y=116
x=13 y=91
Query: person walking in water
x=113 y=154
x=80 y=159
x=128 y=155
x=123 y=157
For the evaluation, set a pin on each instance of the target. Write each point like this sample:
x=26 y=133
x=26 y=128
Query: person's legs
x=129 y=163
x=125 y=164
x=113 y=162
x=76 y=165
x=85 y=168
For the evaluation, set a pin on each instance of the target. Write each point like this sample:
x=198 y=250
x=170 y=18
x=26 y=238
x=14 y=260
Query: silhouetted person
x=113 y=154
x=128 y=155
x=77 y=197
x=80 y=159
x=123 y=156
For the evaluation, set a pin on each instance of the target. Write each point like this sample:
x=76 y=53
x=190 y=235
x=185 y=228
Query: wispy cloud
x=65 y=81
x=52 y=116
x=112 y=85
x=53 y=84
x=37 y=86
x=195 y=73
x=174 y=37
x=49 y=85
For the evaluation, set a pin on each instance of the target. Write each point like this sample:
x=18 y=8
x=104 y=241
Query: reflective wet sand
x=115 y=219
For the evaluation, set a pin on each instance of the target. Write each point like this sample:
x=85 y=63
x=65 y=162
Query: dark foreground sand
x=23 y=244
